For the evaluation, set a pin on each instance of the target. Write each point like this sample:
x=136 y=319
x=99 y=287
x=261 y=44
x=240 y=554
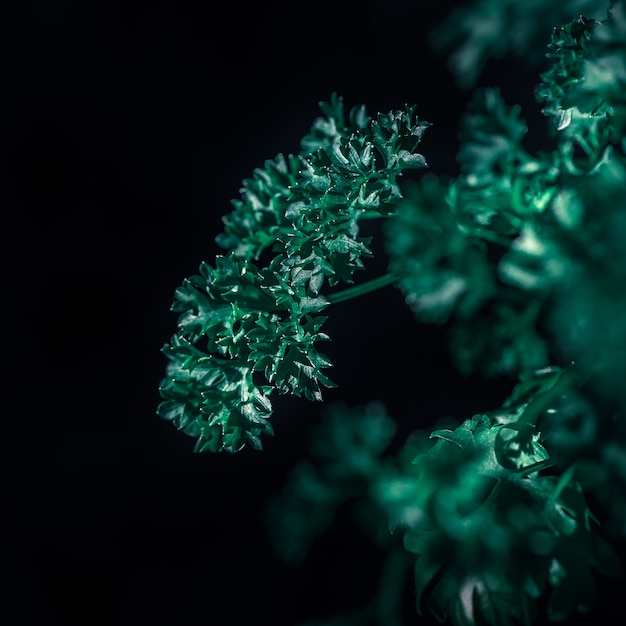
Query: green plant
x=522 y=256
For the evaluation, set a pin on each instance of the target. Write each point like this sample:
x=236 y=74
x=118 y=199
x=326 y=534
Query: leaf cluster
x=491 y=522
x=250 y=323
x=492 y=533
x=512 y=248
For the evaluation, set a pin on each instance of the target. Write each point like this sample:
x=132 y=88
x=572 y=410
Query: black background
x=131 y=127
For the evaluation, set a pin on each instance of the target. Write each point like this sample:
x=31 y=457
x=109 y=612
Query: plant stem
x=565 y=479
x=391 y=587
x=543 y=400
x=536 y=467
x=363 y=288
x=487 y=235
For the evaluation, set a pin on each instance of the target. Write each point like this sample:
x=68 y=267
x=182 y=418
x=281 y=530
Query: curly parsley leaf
x=486 y=474
x=583 y=90
x=214 y=400
x=247 y=326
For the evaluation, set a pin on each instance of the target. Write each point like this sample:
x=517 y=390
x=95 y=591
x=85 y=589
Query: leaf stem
x=543 y=400
x=536 y=467
x=487 y=235
x=564 y=480
x=363 y=288
x=391 y=587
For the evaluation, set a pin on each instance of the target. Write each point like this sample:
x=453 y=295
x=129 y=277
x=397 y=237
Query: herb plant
x=511 y=511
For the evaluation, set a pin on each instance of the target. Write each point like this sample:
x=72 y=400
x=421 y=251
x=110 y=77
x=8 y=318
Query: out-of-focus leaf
x=477 y=31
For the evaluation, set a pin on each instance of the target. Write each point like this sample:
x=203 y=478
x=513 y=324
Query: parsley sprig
x=248 y=326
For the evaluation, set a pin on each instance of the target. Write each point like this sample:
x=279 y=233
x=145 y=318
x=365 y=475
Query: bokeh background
x=131 y=126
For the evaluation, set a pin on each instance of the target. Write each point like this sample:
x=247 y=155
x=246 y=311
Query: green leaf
x=583 y=89
x=501 y=185
x=567 y=50
x=213 y=399
x=486 y=473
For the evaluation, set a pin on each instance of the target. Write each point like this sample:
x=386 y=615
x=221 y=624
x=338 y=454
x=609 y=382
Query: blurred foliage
x=473 y=32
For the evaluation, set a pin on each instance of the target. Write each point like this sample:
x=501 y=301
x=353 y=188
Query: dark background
x=131 y=127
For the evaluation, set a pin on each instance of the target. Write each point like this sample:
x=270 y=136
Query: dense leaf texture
x=249 y=324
